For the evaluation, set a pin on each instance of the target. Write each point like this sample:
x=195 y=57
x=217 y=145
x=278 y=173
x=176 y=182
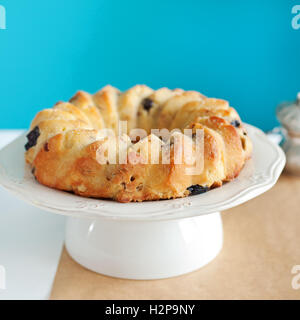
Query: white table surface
x=31 y=242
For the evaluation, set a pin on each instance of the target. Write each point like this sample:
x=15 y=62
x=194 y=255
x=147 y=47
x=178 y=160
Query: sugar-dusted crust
x=65 y=142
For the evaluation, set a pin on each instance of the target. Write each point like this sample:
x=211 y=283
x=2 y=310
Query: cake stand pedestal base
x=144 y=249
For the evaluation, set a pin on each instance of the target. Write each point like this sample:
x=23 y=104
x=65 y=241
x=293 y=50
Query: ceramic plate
x=259 y=175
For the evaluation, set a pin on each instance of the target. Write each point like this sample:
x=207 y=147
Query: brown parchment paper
x=261 y=245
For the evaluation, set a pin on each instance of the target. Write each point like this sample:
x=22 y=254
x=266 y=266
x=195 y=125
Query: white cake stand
x=148 y=240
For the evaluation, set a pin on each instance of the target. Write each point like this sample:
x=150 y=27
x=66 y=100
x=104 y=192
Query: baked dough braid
x=65 y=143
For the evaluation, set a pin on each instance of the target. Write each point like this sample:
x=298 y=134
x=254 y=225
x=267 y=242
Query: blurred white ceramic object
x=288 y=114
x=148 y=240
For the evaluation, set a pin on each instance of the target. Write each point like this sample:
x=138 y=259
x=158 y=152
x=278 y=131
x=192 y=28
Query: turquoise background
x=243 y=51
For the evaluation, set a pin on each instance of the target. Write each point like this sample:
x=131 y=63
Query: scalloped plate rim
x=162 y=210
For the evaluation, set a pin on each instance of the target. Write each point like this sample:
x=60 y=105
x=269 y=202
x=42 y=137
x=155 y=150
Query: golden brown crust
x=84 y=102
x=129 y=102
x=106 y=101
x=147 y=119
x=65 y=154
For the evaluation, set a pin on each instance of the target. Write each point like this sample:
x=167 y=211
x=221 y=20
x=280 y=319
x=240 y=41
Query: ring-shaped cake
x=64 y=143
